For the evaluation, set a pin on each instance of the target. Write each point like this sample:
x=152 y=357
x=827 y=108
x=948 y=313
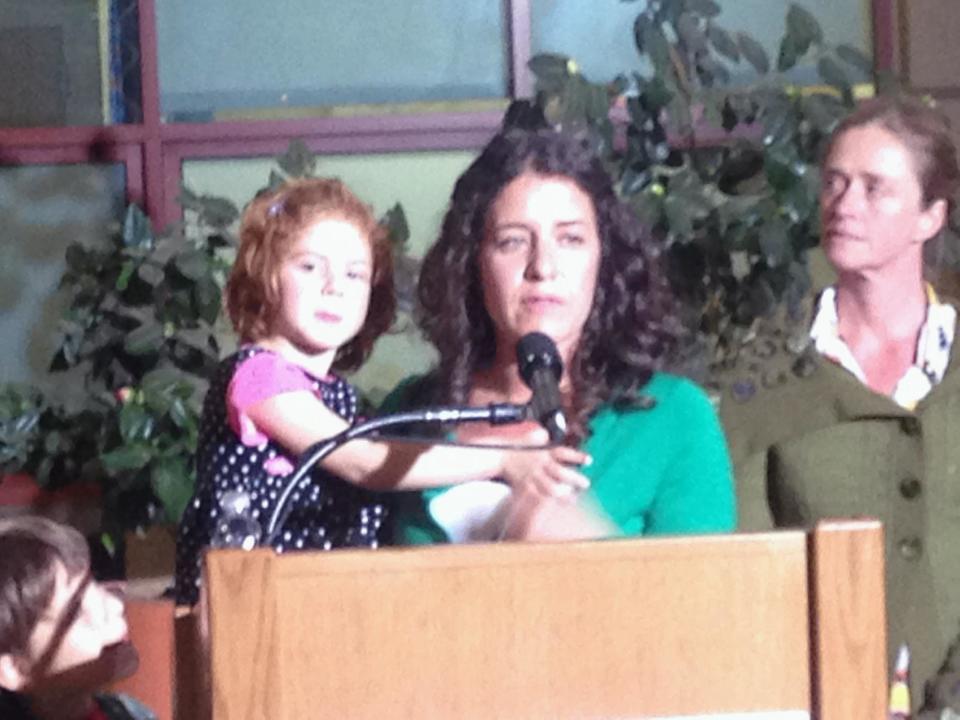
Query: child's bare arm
x=298 y=420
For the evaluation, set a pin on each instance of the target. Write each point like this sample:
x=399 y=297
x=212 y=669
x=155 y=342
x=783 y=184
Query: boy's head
x=271 y=224
x=59 y=629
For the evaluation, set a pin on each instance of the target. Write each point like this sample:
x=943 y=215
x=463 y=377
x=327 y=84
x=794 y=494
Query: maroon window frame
x=153 y=152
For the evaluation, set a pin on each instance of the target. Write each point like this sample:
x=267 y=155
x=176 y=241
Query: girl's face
x=539 y=260
x=324 y=286
x=871 y=202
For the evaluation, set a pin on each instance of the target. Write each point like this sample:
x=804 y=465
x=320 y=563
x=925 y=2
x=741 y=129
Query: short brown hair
x=30 y=548
x=270 y=224
x=925 y=132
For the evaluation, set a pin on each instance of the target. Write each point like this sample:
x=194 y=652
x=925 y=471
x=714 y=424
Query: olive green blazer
x=825 y=446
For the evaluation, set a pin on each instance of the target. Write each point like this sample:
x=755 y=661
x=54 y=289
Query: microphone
x=541 y=367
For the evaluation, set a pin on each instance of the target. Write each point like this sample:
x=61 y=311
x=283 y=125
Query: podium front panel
x=628 y=628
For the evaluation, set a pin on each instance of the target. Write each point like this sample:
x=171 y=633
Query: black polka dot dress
x=325 y=511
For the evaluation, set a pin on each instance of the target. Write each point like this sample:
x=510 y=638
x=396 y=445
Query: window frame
x=153 y=152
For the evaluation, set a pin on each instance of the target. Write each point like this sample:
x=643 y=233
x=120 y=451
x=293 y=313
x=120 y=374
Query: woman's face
x=871 y=202
x=539 y=261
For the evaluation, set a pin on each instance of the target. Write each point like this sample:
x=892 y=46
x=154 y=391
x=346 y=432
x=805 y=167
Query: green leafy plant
x=26 y=423
x=141 y=335
x=717 y=151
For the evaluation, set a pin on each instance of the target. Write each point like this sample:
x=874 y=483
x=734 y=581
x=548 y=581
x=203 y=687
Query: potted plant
x=718 y=153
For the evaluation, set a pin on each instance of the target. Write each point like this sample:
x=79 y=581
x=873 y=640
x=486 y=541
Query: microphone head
x=535 y=350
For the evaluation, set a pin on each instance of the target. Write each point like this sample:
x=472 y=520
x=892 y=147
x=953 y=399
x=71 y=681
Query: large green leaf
x=780 y=172
x=689 y=32
x=856 y=58
x=207 y=295
x=789 y=53
x=707 y=8
x=395 y=220
x=551 y=71
x=723 y=42
x=157 y=400
x=150 y=273
x=779 y=125
x=549 y=65
x=668 y=11
x=144 y=340
x=298 y=161
x=831 y=72
x=658 y=49
x=126 y=457
x=799 y=202
x=173 y=486
x=198 y=338
x=803 y=28
x=162 y=380
x=25 y=423
x=275 y=180
x=188 y=199
x=575 y=101
x=193 y=264
x=754 y=53
x=640 y=25
x=217 y=212
x=634 y=180
x=181 y=414
x=137 y=231
x=136 y=424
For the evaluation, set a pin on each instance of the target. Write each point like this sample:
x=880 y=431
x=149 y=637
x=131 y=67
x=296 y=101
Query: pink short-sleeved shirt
x=234 y=454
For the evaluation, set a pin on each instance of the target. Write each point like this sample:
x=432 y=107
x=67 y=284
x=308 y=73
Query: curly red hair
x=271 y=223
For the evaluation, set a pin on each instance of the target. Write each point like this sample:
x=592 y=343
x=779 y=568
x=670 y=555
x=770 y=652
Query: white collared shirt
x=930 y=360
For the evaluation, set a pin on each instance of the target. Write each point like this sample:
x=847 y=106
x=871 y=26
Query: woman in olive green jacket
x=873 y=426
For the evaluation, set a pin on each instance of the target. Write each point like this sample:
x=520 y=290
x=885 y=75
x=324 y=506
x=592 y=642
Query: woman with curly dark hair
x=536 y=239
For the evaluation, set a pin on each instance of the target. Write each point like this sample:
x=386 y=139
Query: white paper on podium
x=472 y=511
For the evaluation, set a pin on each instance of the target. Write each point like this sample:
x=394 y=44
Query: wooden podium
x=775 y=625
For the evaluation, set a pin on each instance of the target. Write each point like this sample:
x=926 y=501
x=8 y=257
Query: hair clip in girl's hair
x=275 y=209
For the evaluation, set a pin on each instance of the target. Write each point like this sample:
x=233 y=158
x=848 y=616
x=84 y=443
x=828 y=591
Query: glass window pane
x=420 y=181
x=240 y=58
x=69 y=63
x=43 y=209
x=599 y=36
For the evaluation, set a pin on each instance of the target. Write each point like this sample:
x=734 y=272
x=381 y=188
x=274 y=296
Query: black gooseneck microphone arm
x=496 y=414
